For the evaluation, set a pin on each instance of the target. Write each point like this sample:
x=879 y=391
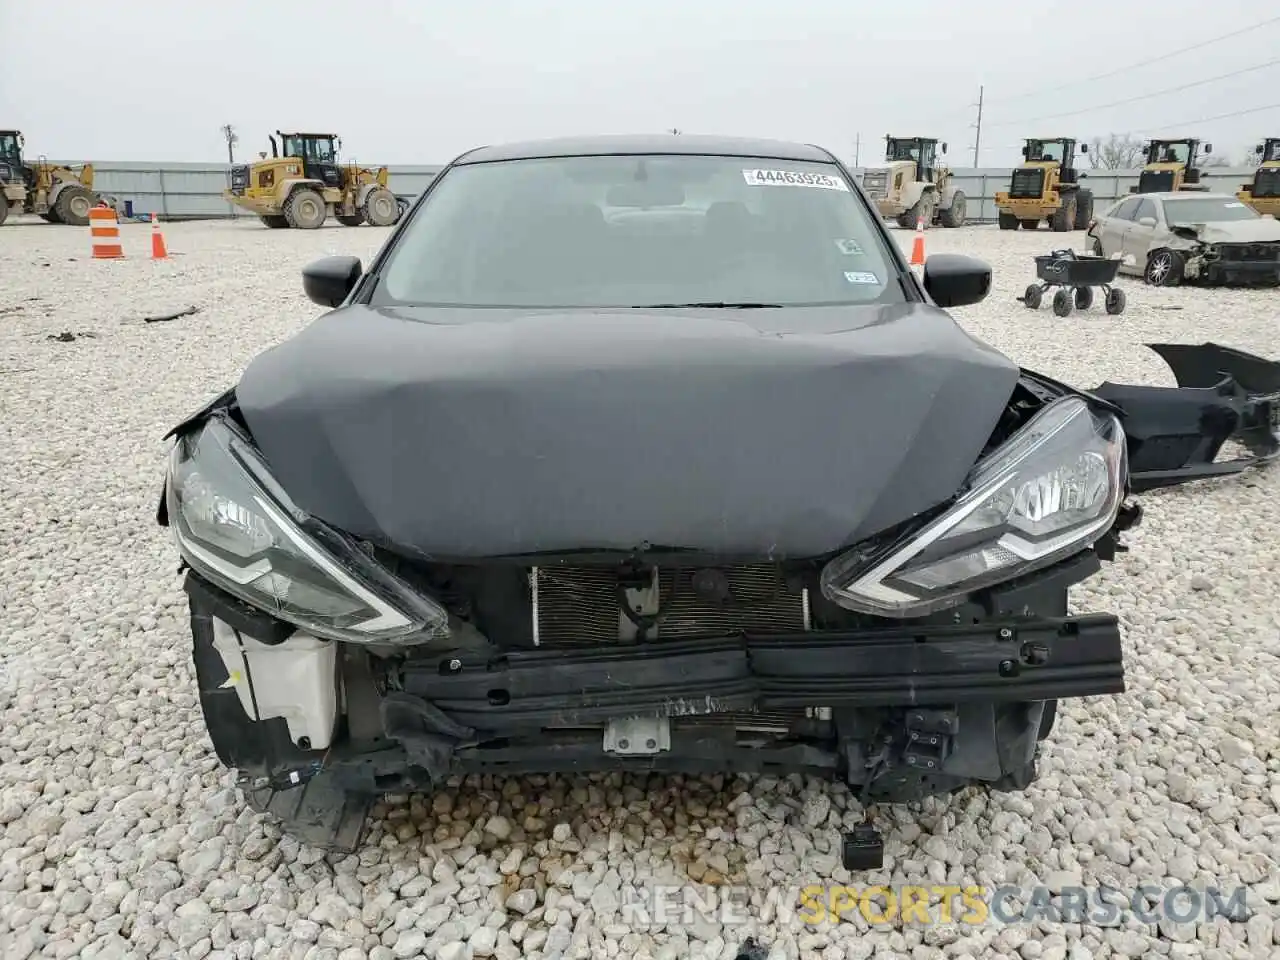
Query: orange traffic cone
x=917 y=246
x=158 y=251
x=104 y=233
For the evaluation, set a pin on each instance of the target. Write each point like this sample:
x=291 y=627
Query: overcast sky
x=419 y=82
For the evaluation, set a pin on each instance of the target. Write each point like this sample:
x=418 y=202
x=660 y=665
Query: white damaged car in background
x=1167 y=238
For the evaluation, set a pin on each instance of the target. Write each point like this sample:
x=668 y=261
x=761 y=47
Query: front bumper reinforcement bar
x=1018 y=660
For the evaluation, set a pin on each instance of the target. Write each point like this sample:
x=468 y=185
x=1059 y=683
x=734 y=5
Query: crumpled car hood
x=766 y=433
x=1239 y=231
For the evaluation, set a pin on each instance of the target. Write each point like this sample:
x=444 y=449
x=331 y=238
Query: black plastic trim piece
x=240 y=616
x=1014 y=660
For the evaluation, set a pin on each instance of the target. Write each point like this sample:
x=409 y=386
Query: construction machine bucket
x=1176 y=434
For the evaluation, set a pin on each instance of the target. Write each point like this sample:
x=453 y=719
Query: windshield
x=1168 y=153
x=580 y=232
x=903 y=150
x=1045 y=151
x=8 y=146
x=1272 y=152
x=309 y=148
x=1206 y=210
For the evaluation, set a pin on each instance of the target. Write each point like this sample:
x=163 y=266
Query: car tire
x=1084 y=208
x=1033 y=296
x=73 y=206
x=1063 y=219
x=1009 y=222
x=380 y=208
x=1115 y=302
x=1062 y=302
x=305 y=209
x=1084 y=298
x=1164 y=268
x=953 y=216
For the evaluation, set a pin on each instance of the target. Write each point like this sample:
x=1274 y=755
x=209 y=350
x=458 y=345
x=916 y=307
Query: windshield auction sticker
x=857 y=276
x=790 y=178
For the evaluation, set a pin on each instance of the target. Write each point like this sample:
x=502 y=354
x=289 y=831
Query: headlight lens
x=236 y=526
x=1051 y=490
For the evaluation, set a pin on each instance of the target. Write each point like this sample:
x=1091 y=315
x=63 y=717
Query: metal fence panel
x=194 y=190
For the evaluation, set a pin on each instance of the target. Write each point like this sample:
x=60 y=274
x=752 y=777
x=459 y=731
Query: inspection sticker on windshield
x=790 y=178
x=849 y=248
x=856 y=276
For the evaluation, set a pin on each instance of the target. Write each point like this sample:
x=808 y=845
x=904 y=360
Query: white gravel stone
x=122 y=836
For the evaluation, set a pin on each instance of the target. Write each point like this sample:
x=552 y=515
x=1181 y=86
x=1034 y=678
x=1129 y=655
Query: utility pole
x=857 y=150
x=229 y=134
x=977 y=137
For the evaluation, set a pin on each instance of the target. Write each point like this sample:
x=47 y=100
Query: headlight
x=235 y=526
x=1050 y=491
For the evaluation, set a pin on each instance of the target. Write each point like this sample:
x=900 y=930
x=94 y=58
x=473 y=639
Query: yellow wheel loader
x=53 y=192
x=1263 y=194
x=1172 y=165
x=915 y=184
x=302 y=183
x=1046 y=187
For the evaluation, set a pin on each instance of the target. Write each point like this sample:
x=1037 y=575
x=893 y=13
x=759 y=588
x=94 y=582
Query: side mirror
x=1024 y=151
x=1146 y=221
x=952 y=280
x=1084 y=148
x=1208 y=148
x=329 y=280
x=944 y=148
x=1258 y=149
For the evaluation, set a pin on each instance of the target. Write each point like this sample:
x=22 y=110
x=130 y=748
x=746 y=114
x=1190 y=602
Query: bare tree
x=1116 y=152
x=1216 y=160
x=675 y=131
x=229 y=134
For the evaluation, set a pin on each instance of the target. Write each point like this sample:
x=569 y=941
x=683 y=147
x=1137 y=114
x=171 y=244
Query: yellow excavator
x=1172 y=165
x=1263 y=194
x=302 y=183
x=53 y=192
x=1046 y=187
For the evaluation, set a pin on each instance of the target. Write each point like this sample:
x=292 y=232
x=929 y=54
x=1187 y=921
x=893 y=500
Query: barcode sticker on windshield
x=856 y=276
x=849 y=248
x=791 y=178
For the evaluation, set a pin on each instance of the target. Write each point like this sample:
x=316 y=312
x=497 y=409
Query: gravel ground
x=121 y=836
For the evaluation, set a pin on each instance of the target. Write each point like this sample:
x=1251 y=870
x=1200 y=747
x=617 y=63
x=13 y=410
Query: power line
x=1145 y=96
x=1143 y=63
x=1221 y=116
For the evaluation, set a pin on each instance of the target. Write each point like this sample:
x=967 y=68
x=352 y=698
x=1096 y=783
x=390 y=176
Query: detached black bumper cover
x=1176 y=433
x=1016 y=661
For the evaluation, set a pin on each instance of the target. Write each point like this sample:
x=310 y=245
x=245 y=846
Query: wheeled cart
x=1075 y=275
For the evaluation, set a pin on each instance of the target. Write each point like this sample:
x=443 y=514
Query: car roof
x=633 y=144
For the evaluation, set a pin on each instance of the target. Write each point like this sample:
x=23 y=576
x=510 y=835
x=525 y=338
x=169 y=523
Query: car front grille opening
x=584 y=606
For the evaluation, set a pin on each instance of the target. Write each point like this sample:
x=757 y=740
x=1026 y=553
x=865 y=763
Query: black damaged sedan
x=652 y=454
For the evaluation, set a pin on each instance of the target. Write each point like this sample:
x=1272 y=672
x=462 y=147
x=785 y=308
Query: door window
x=1126 y=210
